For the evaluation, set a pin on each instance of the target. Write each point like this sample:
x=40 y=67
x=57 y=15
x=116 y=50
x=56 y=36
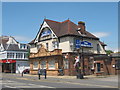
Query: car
x=26 y=71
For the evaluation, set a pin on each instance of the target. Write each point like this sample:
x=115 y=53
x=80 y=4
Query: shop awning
x=8 y=61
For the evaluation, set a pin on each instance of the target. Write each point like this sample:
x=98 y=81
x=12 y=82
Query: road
x=19 y=82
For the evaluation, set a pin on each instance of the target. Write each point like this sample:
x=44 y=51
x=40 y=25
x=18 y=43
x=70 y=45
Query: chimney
x=81 y=27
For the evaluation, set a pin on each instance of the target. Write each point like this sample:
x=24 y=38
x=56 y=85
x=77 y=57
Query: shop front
x=8 y=66
x=49 y=60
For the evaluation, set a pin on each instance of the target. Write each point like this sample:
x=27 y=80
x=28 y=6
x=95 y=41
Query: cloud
x=114 y=49
x=22 y=39
x=101 y=34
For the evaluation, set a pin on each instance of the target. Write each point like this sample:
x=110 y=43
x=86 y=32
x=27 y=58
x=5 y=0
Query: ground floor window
x=51 y=64
x=35 y=65
x=43 y=64
x=8 y=67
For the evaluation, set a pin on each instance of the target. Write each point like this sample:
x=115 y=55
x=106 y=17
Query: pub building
x=13 y=55
x=57 y=44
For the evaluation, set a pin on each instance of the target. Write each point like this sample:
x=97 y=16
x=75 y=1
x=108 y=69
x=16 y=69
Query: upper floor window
x=46 y=32
x=55 y=44
x=23 y=46
x=10 y=55
x=98 y=48
x=19 y=55
x=25 y=55
x=47 y=46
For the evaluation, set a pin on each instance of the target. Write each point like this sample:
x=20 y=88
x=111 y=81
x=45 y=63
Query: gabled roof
x=102 y=43
x=9 y=47
x=64 y=28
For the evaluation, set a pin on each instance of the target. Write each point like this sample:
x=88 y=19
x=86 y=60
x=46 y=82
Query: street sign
x=77 y=43
x=86 y=44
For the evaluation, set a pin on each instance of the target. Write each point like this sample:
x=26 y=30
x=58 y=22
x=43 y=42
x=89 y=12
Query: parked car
x=26 y=71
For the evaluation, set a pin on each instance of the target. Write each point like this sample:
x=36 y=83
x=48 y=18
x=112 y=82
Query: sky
x=22 y=20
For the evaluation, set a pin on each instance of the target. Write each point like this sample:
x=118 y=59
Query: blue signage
x=46 y=33
x=86 y=44
x=77 y=44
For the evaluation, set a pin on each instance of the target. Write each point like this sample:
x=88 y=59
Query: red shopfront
x=8 y=66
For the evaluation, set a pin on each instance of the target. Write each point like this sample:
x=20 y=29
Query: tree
x=109 y=52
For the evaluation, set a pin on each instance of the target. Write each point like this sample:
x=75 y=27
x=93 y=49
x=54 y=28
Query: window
x=66 y=64
x=22 y=46
x=25 y=55
x=19 y=55
x=98 y=48
x=35 y=65
x=43 y=64
x=51 y=64
x=47 y=46
x=55 y=45
x=10 y=55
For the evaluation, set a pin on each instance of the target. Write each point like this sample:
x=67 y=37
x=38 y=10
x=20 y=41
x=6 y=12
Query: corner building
x=70 y=40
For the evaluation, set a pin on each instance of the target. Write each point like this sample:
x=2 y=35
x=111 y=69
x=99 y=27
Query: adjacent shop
x=8 y=66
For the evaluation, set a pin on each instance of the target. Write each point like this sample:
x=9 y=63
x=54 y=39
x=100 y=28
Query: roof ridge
x=66 y=21
x=52 y=20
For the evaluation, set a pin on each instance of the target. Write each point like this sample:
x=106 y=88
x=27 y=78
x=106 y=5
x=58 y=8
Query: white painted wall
x=11 y=41
x=64 y=44
x=33 y=50
x=3 y=55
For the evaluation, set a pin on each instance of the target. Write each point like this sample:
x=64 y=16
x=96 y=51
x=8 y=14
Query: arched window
x=45 y=32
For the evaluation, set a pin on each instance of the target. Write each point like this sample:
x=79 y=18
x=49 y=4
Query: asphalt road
x=16 y=81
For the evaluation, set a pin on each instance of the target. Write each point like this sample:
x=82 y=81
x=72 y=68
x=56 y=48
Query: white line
x=10 y=86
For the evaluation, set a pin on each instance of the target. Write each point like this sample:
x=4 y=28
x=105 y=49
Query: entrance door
x=8 y=67
x=98 y=67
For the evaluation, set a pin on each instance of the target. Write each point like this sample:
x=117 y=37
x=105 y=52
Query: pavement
x=112 y=78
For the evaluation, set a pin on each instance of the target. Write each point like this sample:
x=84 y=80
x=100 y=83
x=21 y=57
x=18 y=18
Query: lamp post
x=82 y=56
x=78 y=63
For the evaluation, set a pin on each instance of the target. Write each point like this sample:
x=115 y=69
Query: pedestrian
x=39 y=72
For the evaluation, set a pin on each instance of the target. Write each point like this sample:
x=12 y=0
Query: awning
x=8 y=61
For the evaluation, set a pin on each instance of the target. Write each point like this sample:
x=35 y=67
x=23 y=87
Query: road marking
x=92 y=85
x=84 y=84
x=9 y=86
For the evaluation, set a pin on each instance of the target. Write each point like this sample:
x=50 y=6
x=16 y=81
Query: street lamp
x=78 y=61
